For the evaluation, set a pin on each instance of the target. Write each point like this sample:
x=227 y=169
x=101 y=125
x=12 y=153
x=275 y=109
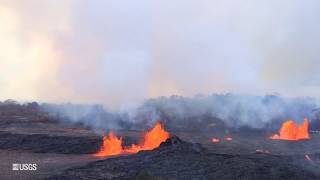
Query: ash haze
x=121 y=52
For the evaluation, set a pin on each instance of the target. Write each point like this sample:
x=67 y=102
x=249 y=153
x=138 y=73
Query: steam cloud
x=196 y=113
x=119 y=53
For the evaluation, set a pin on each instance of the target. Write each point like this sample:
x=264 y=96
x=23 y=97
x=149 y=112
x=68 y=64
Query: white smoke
x=121 y=52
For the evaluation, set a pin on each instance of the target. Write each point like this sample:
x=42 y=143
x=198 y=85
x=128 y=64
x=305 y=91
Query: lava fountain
x=293 y=132
x=112 y=145
x=151 y=139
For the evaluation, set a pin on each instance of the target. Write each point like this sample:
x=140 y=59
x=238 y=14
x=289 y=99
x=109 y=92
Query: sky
x=119 y=53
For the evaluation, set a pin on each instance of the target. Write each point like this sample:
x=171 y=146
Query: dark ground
x=64 y=152
x=176 y=159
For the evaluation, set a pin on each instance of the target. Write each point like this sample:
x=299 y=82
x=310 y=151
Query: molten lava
x=151 y=139
x=215 y=140
x=291 y=131
x=112 y=145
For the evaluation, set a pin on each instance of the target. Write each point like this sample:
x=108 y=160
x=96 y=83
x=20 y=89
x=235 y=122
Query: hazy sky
x=120 y=52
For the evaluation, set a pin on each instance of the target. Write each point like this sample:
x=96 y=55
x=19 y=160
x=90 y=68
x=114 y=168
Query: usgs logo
x=24 y=167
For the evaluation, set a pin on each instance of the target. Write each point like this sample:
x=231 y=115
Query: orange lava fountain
x=292 y=132
x=151 y=139
x=112 y=145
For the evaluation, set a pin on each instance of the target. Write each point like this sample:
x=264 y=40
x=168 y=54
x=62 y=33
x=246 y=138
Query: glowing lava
x=215 y=140
x=292 y=132
x=112 y=145
x=151 y=139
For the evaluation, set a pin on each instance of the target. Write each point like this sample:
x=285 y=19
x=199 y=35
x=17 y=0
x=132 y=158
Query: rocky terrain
x=176 y=159
x=37 y=134
x=64 y=151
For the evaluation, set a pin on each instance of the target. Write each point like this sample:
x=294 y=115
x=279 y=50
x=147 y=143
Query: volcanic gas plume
x=293 y=132
x=112 y=145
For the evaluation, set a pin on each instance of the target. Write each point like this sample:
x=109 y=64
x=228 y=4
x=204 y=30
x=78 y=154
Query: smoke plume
x=119 y=53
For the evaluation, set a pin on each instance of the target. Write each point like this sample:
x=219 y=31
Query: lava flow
x=291 y=131
x=112 y=145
